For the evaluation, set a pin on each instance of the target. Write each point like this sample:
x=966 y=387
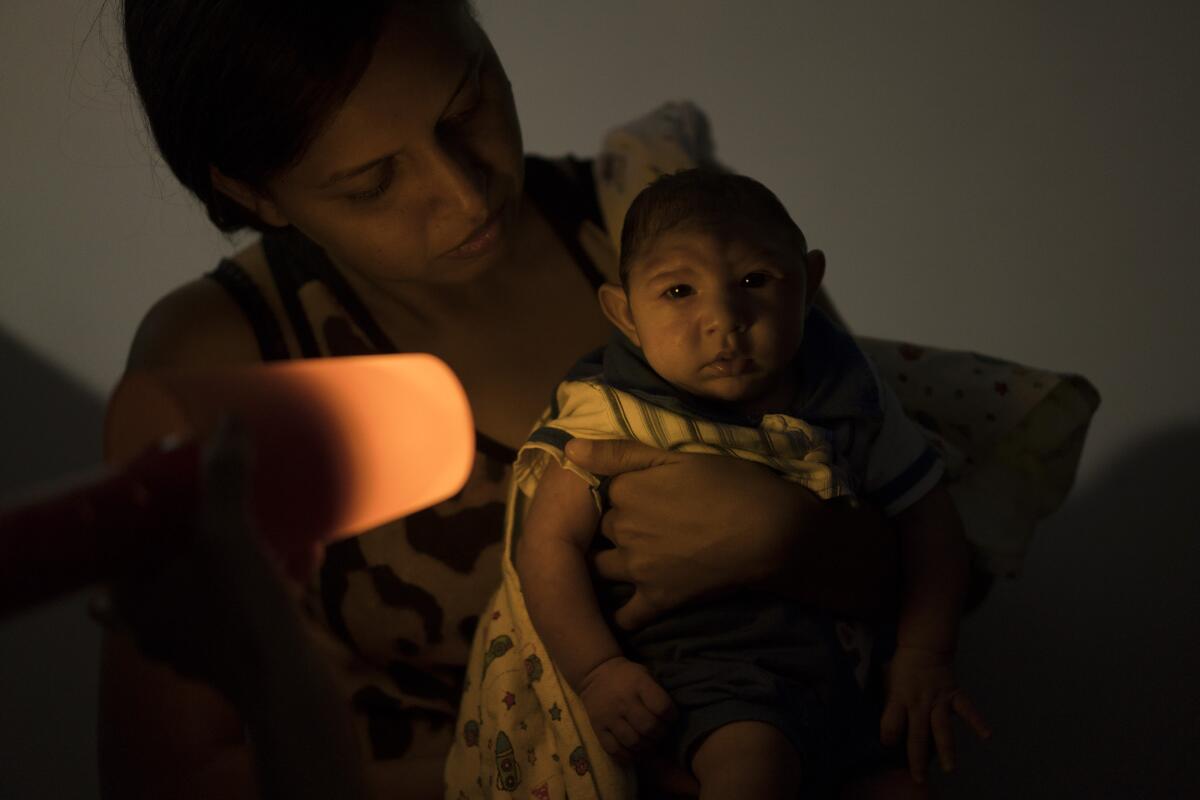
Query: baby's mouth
x=731 y=365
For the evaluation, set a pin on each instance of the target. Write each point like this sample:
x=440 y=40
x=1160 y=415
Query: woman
x=376 y=147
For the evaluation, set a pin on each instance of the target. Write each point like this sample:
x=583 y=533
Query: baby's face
x=719 y=319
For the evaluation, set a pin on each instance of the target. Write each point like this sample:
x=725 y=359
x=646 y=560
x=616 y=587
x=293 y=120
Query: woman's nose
x=459 y=182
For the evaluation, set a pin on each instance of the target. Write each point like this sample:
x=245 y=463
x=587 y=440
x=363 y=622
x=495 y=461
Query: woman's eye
x=472 y=102
x=755 y=280
x=385 y=181
x=678 y=292
x=464 y=116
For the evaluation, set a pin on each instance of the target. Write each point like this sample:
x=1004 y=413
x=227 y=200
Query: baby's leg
x=746 y=759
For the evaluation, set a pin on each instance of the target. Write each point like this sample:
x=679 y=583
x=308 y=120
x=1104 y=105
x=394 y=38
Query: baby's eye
x=678 y=292
x=755 y=280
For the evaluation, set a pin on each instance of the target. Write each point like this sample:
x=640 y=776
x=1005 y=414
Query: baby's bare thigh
x=747 y=754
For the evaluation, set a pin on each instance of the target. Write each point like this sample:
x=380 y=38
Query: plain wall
x=1020 y=179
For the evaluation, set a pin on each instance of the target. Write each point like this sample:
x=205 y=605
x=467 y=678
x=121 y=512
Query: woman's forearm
x=842 y=559
x=299 y=726
x=230 y=776
x=162 y=735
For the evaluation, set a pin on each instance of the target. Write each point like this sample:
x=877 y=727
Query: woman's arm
x=160 y=734
x=744 y=527
x=837 y=557
x=222 y=610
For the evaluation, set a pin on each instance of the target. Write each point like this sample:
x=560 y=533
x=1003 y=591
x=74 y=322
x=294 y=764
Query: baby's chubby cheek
x=677 y=363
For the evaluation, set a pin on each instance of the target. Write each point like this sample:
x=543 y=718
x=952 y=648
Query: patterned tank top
x=394 y=609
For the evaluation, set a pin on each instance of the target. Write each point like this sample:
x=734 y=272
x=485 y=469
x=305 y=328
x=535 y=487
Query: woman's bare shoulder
x=199 y=324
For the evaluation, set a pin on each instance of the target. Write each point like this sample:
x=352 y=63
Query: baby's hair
x=703 y=199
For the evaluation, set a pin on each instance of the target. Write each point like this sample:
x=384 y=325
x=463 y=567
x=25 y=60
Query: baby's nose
x=727 y=317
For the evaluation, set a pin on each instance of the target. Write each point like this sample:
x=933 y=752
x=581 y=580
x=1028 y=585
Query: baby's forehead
x=709 y=249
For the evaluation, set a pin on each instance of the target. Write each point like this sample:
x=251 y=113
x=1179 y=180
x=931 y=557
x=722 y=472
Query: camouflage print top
x=396 y=607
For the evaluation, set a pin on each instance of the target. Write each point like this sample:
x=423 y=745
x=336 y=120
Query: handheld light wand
x=340 y=446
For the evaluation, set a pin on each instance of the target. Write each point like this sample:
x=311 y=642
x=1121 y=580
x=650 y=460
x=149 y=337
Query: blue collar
x=836 y=382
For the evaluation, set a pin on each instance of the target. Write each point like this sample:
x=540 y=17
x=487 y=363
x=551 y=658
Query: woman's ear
x=252 y=200
x=814 y=263
x=615 y=304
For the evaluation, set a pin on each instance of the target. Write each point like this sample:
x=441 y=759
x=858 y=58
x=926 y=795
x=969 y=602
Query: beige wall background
x=1017 y=178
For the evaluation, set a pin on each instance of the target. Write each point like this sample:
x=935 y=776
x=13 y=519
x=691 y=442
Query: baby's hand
x=921 y=693
x=627 y=708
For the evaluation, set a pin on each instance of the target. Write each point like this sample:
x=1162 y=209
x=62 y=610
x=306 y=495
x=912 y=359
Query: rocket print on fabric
x=533 y=668
x=499 y=646
x=508 y=774
x=471 y=733
x=579 y=761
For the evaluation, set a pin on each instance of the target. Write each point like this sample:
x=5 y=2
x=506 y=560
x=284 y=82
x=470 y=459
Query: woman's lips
x=481 y=240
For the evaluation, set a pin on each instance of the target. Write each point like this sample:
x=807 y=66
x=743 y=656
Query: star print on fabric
x=555 y=712
x=495 y=615
x=531 y=756
x=522 y=725
x=509 y=700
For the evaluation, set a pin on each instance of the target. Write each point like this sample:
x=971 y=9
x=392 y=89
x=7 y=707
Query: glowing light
x=340 y=445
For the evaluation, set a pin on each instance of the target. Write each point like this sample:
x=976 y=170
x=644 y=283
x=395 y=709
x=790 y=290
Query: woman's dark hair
x=246 y=85
x=704 y=198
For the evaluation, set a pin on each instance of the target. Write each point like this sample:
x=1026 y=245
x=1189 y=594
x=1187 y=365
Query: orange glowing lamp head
x=340 y=445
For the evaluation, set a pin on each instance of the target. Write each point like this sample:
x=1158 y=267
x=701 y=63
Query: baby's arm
x=626 y=708
x=550 y=558
x=933 y=568
x=921 y=687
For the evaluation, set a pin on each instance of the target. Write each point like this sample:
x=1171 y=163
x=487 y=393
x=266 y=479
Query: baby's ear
x=615 y=304
x=815 y=273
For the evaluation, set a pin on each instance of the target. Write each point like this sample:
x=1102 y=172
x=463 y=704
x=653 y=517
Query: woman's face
x=418 y=176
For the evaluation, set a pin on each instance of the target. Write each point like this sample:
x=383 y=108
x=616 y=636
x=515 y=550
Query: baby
x=720 y=350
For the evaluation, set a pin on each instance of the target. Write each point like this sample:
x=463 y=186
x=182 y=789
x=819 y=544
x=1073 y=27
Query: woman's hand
x=197 y=607
x=689 y=525
x=222 y=610
x=686 y=525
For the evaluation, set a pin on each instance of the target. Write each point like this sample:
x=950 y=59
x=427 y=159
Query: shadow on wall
x=1088 y=664
x=50 y=426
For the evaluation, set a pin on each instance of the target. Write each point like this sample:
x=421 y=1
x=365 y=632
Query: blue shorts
x=754 y=658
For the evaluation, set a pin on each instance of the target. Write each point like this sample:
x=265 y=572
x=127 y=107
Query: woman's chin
x=478 y=257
